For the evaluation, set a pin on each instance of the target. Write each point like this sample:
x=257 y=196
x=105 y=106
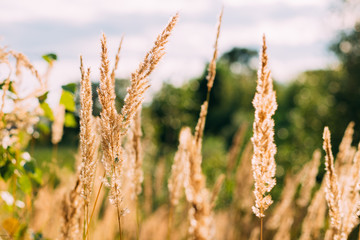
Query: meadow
x=120 y=176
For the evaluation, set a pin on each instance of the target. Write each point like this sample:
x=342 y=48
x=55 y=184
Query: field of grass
x=113 y=185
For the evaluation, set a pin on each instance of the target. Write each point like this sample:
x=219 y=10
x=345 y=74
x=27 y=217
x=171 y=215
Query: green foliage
x=6 y=170
x=67 y=99
x=65 y=158
x=171 y=109
x=43 y=97
x=305 y=107
x=25 y=184
x=29 y=167
x=214 y=158
x=11 y=89
x=50 y=57
x=43 y=126
x=347 y=49
x=48 y=113
x=70 y=120
x=71 y=87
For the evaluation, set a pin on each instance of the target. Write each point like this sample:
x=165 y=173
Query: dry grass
x=263 y=161
x=88 y=211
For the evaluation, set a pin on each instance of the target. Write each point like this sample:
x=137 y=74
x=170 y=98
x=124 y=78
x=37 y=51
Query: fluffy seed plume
x=138 y=153
x=112 y=158
x=352 y=198
x=332 y=193
x=200 y=126
x=315 y=217
x=139 y=79
x=5 y=88
x=23 y=62
x=345 y=145
x=244 y=181
x=263 y=161
x=71 y=214
x=117 y=59
x=58 y=125
x=195 y=188
x=236 y=146
x=286 y=204
x=212 y=66
x=309 y=180
x=216 y=189
x=113 y=125
x=180 y=167
x=284 y=231
x=88 y=146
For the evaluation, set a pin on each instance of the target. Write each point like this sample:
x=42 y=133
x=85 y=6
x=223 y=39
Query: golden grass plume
x=263 y=161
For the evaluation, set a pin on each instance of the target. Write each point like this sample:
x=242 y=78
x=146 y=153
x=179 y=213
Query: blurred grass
x=65 y=156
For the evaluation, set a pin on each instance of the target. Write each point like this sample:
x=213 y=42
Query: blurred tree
x=317 y=99
x=230 y=100
x=171 y=109
x=305 y=106
x=347 y=49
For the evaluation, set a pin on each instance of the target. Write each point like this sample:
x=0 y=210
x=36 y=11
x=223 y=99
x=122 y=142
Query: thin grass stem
x=93 y=209
x=137 y=219
x=170 y=221
x=84 y=228
x=119 y=222
x=261 y=223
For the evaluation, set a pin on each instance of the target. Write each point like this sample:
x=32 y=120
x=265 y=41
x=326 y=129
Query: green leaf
x=37 y=176
x=70 y=120
x=29 y=167
x=43 y=97
x=11 y=89
x=71 y=87
x=47 y=111
x=20 y=235
x=25 y=184
x=67 y=99
x=43 y=128
x=50 y=58
x=7 y=170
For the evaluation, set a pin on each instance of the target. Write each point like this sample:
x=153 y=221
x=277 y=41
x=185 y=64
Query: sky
x=298 y=34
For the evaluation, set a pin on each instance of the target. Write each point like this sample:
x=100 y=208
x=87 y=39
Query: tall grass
x=81 y=208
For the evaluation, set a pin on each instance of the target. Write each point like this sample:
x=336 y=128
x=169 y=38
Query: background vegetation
x=317 y=98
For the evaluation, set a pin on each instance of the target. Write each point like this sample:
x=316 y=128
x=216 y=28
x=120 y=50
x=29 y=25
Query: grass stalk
x=261 y=223
x=87 y=219
x=119 y=222
x=261 y=227
x=84 y=228
x=138 y=220
x=170 y=221
x=93 y=209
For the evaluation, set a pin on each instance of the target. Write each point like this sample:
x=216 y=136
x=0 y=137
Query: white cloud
x=239 y=3
x=69 y=11
x=191 y=44
x=157 y=6
x=87 y=11
x=293 y=32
